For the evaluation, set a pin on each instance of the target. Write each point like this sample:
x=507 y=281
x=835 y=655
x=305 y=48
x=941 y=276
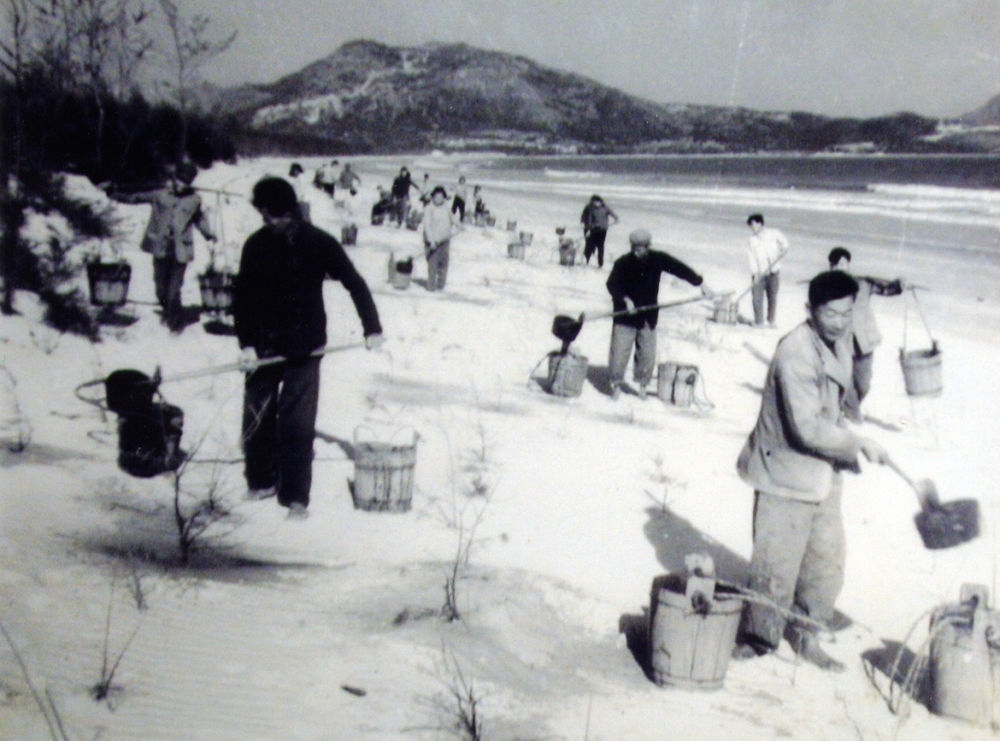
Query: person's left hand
x=706 y=291
x=374 y=341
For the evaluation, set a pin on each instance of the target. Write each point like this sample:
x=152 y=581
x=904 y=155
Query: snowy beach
x=561 y=510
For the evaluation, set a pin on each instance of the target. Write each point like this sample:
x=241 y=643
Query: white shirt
x=765 y=249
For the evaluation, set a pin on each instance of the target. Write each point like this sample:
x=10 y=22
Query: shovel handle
x=926 y=496
x=229 y=367
x=641 y=309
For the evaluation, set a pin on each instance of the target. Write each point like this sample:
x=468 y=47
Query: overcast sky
x=837 y=57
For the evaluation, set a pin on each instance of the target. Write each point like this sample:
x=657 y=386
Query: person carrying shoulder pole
x=765 y=249
x=278 y=311
x=793 y=459
x=634 y=283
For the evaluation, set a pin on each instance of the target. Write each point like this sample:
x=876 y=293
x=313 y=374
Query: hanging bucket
x=349 y=234
x=693 y=623
x=383 y=474
x=108 y=283
x=217 y=290
x=567 y=372
x=675 y=383
x=567 y=252
x=515 y=250
x=526 y=238
x=965 y=658
x=922 y=371
x=511 y=226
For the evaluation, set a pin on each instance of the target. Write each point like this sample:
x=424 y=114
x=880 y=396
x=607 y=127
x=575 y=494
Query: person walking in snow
x=596 y=218
x=278 y=311
x=634 y=284
x=866 y=336
x=460 y=197
x=439 y=225
x=765 y=248
x=169 y=236
x=326 y=178
x=793 y=459
x=349 y=180
x=401 y=196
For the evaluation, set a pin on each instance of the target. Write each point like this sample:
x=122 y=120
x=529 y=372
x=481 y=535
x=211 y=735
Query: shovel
x=941 y=524
x=566 y=328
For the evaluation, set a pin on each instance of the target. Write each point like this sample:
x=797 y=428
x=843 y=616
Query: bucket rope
x=923 y=318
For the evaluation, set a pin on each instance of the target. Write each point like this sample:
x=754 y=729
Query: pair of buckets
x=216 y=287
x=692 y=630
x=965 y=658
x=383 y=472
x=675 y=383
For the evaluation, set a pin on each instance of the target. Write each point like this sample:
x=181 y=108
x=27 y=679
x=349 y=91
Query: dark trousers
x=595 y=243
x=437 y=265
x=458 y=207
x=400 y=208
x=279 y=424
x=767 y=285
x=168 y=276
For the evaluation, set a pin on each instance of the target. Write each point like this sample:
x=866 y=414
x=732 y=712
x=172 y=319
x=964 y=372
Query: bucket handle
x=392 y=437
x=923 y=319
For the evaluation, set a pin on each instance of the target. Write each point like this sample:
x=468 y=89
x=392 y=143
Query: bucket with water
x=675 y=383
x=383 y=472
x=693 y=623
x=567 y=372
x=965 y=658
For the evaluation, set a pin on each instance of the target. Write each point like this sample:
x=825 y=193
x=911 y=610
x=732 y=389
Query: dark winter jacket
x=278 y=298
x=640 y=281
x=401 y=186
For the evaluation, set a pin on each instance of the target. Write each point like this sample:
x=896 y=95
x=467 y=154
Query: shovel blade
x=566 y=328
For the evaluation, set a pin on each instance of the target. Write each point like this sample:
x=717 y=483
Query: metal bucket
x=965 y=658
x=692 y=633
x=567 y=372
x=383 y=474
x=108 y=282
x=675 y=383
x=922 y=371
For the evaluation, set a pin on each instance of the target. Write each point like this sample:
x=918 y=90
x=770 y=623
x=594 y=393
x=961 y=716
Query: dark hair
x=837 y=254
x=276 y=196
x=596 y=197
x=439 y=189
x=187 y=171
x=830 y=286
x=755 y=218
x=295 y=169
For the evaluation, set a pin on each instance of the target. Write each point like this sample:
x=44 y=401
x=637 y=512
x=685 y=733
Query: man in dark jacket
x=596 y=218
x=278 y=311
x=634 y=283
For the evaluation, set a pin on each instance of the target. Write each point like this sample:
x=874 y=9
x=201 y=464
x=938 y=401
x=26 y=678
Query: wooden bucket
x=401 y=274
x=349 y=234
x=515 y=250
x=965 y=660
x=567 y=372
x=725 y=311
x=526 y=238
x=383 y=474
x=675 y=383
x=692 y=633
x=217 y=290
x=922 y=371
x=108 y=282
x=512 y=226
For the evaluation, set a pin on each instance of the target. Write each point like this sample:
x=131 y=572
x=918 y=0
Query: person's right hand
x=874 y=451
x=248 y=360
x=629 y=305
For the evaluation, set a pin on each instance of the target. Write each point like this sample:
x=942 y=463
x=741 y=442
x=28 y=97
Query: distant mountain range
x=370 y=97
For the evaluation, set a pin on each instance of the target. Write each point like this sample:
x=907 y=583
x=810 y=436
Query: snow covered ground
x=566 y=508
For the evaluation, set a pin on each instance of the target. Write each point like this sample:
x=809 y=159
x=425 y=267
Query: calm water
x=779 y=171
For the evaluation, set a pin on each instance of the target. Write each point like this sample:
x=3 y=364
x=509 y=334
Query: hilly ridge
x=371 y=97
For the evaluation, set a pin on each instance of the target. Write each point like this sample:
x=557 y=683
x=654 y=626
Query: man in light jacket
x=765 y=248
x=793 y=459
x=439 y=225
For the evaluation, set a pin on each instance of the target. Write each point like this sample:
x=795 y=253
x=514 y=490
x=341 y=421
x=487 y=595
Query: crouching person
x=278 y=311
x=793 y=459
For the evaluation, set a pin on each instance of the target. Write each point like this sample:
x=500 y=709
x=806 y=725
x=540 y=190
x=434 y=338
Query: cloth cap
x=640 y=237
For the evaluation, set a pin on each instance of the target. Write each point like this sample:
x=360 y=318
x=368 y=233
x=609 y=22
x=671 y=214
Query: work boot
x=616 y=391
x=255 y=495
x=297 y=511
